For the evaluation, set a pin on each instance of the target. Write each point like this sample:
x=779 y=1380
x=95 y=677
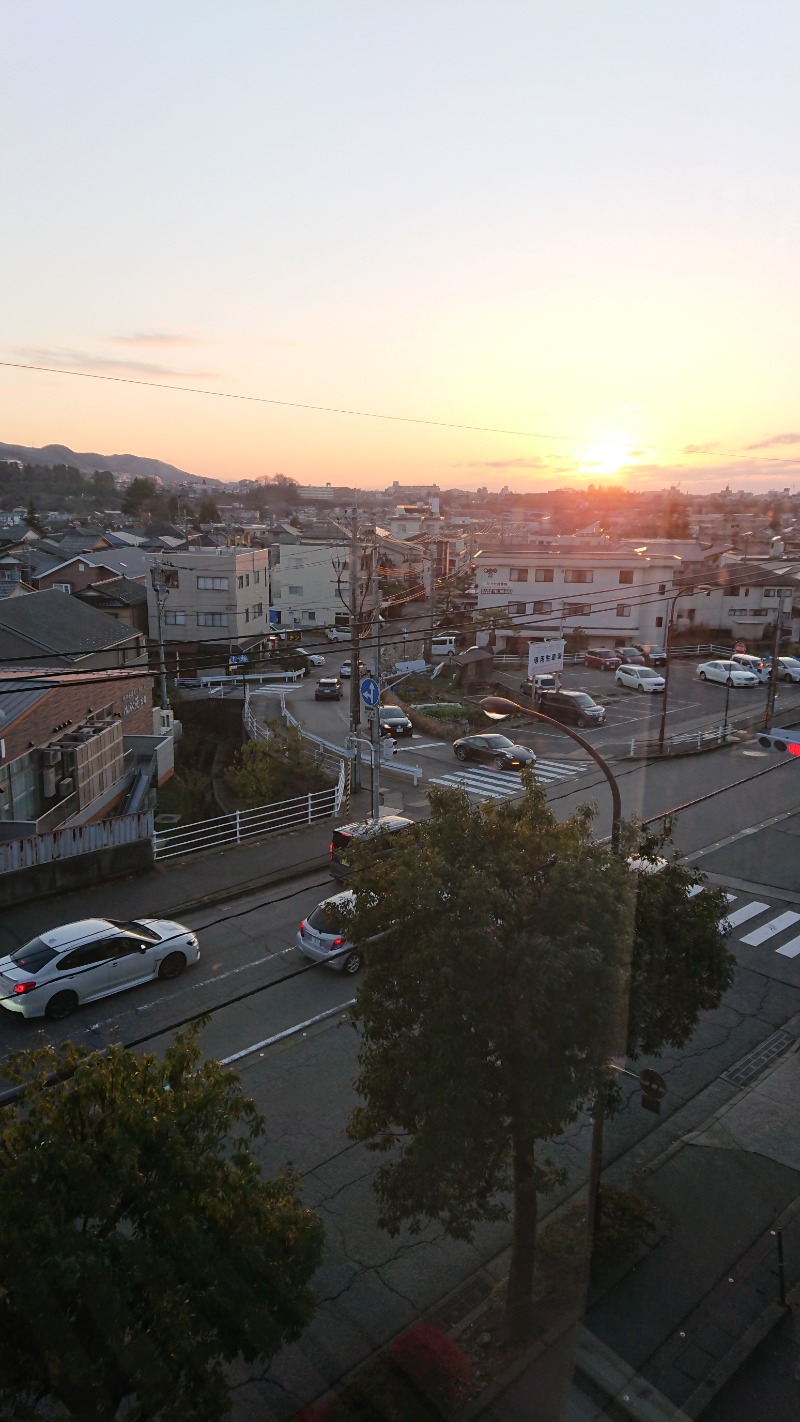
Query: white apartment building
x=216 y=595
x=615 y=596
x=307 y=581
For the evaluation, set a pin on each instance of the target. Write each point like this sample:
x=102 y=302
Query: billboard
x=546 y=656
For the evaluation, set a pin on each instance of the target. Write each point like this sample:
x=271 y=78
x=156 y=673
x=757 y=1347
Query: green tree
x=276 y=769
x=138 y=493
x=32 y=518
x=506 y=946
x=208 y=511
x=484 y=1012
x=143 y=1250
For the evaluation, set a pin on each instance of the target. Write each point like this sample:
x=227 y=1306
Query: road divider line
x=287 y=1032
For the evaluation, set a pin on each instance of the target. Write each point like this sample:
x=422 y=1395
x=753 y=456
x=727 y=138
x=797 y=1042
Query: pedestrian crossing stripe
x=765 y=933
x=500 y=784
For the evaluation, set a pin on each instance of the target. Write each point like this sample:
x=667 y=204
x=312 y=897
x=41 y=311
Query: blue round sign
x=370 y=691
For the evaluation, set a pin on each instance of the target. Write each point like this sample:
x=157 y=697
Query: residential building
x=51 y=628
x=311 y=583
x=212 y=595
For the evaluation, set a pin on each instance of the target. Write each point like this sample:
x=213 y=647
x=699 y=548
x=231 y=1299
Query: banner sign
x=546 y=656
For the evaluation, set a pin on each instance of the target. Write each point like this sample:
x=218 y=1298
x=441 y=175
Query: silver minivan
x=320 y=938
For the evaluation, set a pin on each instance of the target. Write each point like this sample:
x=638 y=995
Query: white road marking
x=695 y=890
x=769 y=930
x=287 y=1032
x=501 y=783
x=790 y=949
x=741 y=915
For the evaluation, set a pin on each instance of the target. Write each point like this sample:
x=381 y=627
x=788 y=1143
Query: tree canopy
x=143 y=1250
x=276 y=769
x=501 y=939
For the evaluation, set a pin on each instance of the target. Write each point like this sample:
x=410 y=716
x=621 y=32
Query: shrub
x=420 y=1378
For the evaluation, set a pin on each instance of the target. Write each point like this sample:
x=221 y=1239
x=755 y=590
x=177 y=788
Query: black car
x=394 y=722
x=572 y=707
x=377 y=834
x=498 y=751
x=328 y=688
x=631 y=657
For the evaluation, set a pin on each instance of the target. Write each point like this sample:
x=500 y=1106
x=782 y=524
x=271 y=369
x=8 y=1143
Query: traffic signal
x=786 y=741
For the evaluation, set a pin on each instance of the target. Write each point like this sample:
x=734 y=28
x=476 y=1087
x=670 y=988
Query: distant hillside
x=87 y=463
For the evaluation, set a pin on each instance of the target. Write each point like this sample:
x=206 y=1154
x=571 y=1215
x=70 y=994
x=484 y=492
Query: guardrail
x=248 y=824
x=685 y=743
x=73 y=840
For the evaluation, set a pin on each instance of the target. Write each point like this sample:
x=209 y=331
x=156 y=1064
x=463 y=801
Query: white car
x=314 y=659
x=639 y=678
x=320 y=938
x=728 y=673
x=788 y=669
x=80 y=962
x=756 y=665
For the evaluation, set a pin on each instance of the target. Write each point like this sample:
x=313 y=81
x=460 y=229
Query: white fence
x=247 y=824
x=73 y=840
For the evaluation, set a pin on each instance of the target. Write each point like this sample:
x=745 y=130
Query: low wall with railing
x=75 y=857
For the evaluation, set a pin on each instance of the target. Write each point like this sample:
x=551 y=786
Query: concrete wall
x=78 y=872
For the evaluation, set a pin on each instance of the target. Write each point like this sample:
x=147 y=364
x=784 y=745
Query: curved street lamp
x=498 y=707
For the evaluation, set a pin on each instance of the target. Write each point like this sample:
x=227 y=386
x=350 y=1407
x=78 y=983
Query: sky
x=494 y=243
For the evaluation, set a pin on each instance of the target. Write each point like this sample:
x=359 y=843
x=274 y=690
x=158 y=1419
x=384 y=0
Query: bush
x=420 y=1378
x=278 y=769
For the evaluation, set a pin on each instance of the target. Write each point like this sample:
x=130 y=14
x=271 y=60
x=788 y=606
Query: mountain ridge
x=136 y=464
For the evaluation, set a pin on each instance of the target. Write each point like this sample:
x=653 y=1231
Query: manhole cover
x=751 y=1066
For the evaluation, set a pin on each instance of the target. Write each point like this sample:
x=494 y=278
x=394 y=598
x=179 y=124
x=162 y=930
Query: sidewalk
x=663 y=1340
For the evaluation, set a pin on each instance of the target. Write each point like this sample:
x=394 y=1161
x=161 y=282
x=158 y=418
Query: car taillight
x=337 y=943
x=330 y=849
x=23 y=987
x=302 y=927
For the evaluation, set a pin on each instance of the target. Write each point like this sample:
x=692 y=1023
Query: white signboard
x=546 y=656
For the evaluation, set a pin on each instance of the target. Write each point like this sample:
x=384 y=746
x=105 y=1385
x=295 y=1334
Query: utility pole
x=160 y=589
x=430 y=579
x=772 y=685
x=355 y=625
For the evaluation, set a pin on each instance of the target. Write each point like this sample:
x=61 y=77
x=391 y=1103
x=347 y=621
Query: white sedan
x=314 y=659
x=96 y=957
x=639 y=678
x=788 y=669
x=728 y=673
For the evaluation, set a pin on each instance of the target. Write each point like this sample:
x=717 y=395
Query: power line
x=356 y=414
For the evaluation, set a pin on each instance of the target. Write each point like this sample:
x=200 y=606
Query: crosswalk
x=771 y=934
x=489 y=784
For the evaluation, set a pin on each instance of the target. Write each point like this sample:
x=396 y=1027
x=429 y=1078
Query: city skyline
x=530 y=245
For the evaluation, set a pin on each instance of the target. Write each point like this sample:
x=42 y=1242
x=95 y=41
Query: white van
x=444 y=645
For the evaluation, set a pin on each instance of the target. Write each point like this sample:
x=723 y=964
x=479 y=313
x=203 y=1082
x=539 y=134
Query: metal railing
x=684 y=743
x=248 y=824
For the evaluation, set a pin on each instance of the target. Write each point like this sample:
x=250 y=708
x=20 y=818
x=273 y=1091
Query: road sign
x=370 y=691
x=740 y=647
x=654 y=1089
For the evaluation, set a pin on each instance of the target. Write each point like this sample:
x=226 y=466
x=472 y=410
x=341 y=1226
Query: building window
x=247 y=614
x=258 y=609
x=544 y=575
x=516 y=607
x=659 y=622
x=169 y=577
x=732 y=592
x=578 y=575
x=295 y=590
x=212 y=619
x=173 y=618
x=257 y=576
x=212 y=584
x=577 y=609
x=518 y=575
x=626 y=575
x=240 y=581
x=309 y=616
x=543 y=607
x=63 y=587
x=662 y=588
x=772 y=592
x=623 y=609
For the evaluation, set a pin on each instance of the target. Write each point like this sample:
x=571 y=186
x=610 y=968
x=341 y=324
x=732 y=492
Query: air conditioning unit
x=51 y=755
x=66 y=786
x=85 y=733
x=48 y=783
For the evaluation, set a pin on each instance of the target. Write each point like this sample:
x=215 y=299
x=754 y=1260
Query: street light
x=498 y=707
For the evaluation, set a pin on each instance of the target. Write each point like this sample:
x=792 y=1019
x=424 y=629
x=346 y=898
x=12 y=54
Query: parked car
x=328 y=688
x=631 y=656
x=728 y=673
x=788 y=669
x=543 y=681
x=338 y=634
x=654 y=656
x=639 y=678
x=498 y=751
x=321 y=938
x=576 y=708
x=394 y=721
x=80 y=962
x=314 y=659
x=603 y=657
x=378 y=834
x=756 y=665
